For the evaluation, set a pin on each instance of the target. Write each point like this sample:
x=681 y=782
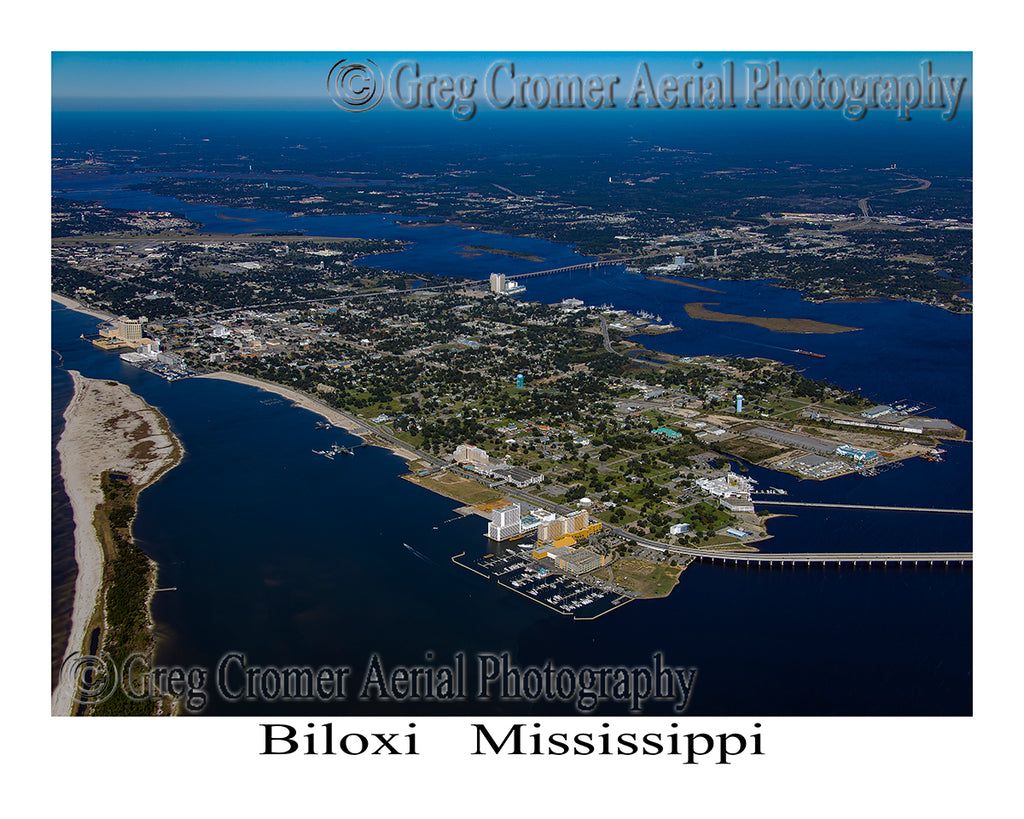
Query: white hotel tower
x=505 y=523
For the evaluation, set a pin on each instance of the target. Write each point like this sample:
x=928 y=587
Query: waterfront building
x=740 y=503
x=130 y=330
x=497 y=282
x=505 y=523
x=580 y=561
x=877 y=411
x=552 y=529
x=732 y=490
x=466 y=453
x=726 y=485
x=859 y=455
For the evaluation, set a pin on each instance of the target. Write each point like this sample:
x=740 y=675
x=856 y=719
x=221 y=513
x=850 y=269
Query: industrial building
x=877 y=411
x=859 y=455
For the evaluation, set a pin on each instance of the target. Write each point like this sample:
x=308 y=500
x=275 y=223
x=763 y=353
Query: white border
x=941 y=767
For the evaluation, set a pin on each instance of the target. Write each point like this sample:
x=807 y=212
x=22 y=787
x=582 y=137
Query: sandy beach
x=107 y=427
x=334 y=416
x=71 y=304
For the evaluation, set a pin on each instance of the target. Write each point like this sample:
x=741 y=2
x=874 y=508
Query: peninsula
x=114 y=445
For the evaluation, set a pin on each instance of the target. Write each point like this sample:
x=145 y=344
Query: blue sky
x=154 y=80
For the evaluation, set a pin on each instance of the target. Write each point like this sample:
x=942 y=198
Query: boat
x=808 y=352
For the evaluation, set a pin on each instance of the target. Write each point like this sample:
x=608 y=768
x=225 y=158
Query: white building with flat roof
x=505 y=522
x=467 y=453
x=731 y=489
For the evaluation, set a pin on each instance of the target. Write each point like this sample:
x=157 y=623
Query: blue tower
x=739 y=403
x=519 y=381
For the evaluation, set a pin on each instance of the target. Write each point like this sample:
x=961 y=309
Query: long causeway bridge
x=569 y=268
x=856 y=506
x=833 y=558
x=778 y=559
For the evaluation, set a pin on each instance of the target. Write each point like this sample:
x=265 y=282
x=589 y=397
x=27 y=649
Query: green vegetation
x=648 y=580
x=127 y=579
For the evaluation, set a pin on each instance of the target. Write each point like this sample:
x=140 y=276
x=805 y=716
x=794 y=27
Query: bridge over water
x=856 y=506
x=570 y=268
x=833 y=558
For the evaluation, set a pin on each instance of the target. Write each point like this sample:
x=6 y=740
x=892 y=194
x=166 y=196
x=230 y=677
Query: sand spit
x=107 y=427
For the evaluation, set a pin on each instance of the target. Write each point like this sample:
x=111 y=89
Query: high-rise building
x=505 y=522
x=497 y=282
x=552 y=529
x=575 y=521
x=129 y=329
x=466 y=453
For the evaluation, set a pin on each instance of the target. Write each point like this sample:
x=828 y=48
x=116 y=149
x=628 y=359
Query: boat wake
x=420 y=555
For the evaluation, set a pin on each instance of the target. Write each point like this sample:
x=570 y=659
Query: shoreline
x=699 y=310
x=107 y=427
x=88 y=551
x=339 y=418
x=78 y=307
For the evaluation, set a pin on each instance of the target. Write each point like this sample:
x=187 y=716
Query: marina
x=568 y=596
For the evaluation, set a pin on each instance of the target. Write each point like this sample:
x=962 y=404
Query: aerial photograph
x=511 y=384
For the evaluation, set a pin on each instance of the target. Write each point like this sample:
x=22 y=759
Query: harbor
x=565 y=595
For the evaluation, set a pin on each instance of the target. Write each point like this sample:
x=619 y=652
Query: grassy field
x=458 y=488
x=647 y=579
x=751 y=450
